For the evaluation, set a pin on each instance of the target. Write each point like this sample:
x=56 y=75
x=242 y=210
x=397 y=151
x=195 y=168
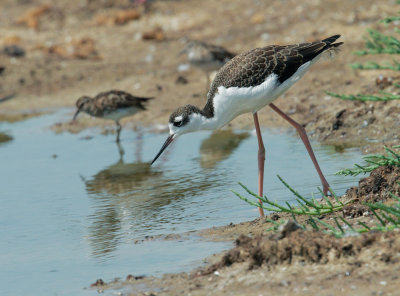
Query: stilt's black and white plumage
x=113 y=105
x=247 y=83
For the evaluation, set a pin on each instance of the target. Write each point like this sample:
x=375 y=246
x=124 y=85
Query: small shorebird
x=247 y=83
x=206 y=57
x=113 y=104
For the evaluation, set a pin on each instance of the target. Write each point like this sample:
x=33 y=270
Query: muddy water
x=74 y=210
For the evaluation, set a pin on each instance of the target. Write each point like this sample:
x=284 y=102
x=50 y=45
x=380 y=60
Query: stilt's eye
x=178 y=121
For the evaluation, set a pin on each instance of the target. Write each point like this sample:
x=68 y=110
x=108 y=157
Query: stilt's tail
x=329 y=41
x=330 y=47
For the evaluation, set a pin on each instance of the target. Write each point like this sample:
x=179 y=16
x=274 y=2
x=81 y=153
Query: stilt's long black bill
x=76 y=114
x=167 y=142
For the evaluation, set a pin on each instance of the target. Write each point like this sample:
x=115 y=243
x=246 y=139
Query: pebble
x=265 y=36
x=183 y=67
x=284 y=283
x=14 y=51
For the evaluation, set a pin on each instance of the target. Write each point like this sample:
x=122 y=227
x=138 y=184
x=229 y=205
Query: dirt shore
x=75 y=48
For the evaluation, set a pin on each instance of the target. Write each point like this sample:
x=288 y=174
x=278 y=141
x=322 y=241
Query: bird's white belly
x=233 y=101
x=120 y=113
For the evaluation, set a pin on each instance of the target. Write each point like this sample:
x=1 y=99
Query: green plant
x=390 y=19
x=375 y=66
x=378 y=43
x=392 y=158
x=365 y=97
x=305 y=206
x=388 y=217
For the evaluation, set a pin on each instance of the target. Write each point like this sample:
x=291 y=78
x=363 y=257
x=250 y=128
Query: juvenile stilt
x=261 y=161
x=113 y=105
x=207 y=57
x=303 y=135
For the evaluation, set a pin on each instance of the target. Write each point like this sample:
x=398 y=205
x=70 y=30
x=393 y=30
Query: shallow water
x=72 y=209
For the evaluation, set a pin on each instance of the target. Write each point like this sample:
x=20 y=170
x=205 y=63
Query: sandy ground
x=83 y=47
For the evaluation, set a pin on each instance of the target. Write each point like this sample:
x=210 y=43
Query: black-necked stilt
x=113 y=105
x=206 y=57
x=247 y=83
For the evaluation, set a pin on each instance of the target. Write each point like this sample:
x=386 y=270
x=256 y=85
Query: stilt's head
x=183 y=120
x=80 y=104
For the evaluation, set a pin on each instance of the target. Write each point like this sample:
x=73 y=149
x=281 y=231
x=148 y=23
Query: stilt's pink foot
x=326 y=189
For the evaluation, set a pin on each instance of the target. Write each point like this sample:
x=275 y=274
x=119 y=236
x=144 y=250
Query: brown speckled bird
x=113 y=105
x=206 y=57
x=247 y=83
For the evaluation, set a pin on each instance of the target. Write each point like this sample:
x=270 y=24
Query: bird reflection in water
x=219 y=146
x=117 y=195
x=121 y=177
x=132 y=200
x=4 y=138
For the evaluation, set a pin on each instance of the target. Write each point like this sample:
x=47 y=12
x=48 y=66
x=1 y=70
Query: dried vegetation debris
x=82 y=48
x=11 y=40
x=119 y=17
x=156 y=33
x=32 y=17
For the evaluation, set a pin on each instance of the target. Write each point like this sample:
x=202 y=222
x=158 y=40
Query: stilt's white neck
x=201 y=122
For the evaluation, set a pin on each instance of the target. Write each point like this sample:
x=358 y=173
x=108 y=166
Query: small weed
x=305 y=206
x=378 y=43
x=392 y=158
x=390 y=19
x=375 y=66
x=365 y=97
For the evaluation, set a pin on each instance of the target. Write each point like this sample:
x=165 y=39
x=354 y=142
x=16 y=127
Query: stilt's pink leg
x=261 y=160
x=304 y=138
